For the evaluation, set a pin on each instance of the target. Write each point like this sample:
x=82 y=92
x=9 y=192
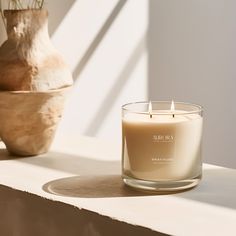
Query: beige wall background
x=192 y=57
x=128 y=50
x=107 y=53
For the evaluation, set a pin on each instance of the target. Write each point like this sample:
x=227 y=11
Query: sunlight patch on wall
x=116 y=71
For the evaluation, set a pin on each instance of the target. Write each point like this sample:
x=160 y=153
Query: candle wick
x=150 y=109
x=173 y=115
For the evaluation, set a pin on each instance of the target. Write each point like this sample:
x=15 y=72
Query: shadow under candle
x=96 y=186
x=99 y=186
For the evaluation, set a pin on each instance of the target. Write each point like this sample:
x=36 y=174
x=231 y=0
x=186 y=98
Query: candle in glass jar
x=161 y=147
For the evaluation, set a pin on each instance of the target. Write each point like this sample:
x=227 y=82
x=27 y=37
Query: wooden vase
x=29 y=119
x=34 y=80
x=28 y=60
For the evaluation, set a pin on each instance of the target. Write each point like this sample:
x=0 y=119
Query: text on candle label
x=162 y=138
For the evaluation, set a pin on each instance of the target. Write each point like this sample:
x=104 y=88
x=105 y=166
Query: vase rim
x=15 y=12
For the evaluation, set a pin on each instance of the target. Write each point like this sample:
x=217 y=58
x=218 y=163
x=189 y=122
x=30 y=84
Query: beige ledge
x=76 y=189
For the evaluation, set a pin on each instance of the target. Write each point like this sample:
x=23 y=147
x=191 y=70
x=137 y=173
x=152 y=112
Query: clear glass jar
x=161 y=145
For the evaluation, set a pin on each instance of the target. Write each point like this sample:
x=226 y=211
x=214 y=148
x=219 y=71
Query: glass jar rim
x=198 y=108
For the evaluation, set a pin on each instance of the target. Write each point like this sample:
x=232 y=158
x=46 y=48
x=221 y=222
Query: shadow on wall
x=114 y=92
x=121 y=79
x=98 y=38
x=57 y=14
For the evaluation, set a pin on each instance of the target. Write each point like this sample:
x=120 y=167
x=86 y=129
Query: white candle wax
x=162 y=148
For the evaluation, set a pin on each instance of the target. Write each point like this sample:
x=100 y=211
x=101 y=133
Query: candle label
x=164 y=146
x=159 y=138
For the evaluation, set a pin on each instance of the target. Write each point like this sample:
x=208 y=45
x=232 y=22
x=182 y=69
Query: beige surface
x=84 y=173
